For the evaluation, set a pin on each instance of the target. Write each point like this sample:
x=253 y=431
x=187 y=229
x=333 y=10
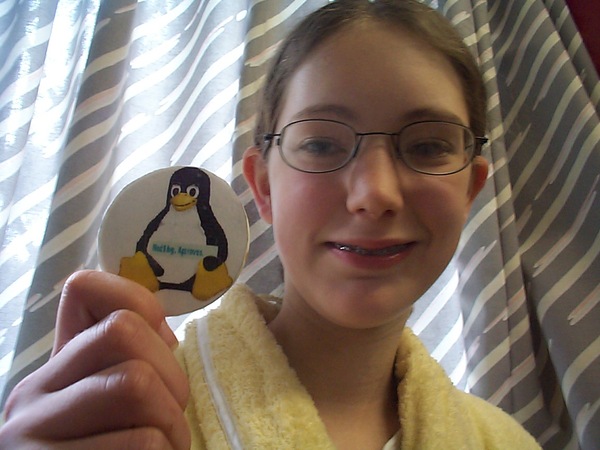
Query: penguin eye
x=175 y=189
x=193 y=191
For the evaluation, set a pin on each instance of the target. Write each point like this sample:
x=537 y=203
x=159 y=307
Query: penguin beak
x=183 y=201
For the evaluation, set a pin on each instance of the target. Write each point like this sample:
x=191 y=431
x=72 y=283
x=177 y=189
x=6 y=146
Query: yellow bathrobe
x=246 y=396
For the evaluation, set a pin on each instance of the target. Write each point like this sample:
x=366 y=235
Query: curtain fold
x=39 y=82
x=94 y=94
x=546 y=86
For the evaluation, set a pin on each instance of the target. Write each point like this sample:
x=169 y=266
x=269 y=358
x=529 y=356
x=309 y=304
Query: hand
x=112 y=381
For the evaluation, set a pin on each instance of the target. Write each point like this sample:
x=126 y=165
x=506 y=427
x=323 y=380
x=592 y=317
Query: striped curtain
x=96 y=93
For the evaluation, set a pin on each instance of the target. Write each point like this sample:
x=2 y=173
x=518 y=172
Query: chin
x=366 y=312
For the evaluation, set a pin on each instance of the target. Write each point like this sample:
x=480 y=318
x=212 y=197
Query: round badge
x=181 y=232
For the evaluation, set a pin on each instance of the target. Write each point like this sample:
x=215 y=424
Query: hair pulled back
x=420 y=20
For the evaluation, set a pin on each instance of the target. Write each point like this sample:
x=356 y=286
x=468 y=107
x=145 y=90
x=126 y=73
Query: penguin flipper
x=207 y=283
x=214 y=233
x=137 y=268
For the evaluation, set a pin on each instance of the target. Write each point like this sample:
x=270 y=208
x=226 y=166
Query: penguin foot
x=209 y=283
x=137 y=268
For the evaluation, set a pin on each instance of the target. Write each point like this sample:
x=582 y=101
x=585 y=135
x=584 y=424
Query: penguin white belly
x=179 y=244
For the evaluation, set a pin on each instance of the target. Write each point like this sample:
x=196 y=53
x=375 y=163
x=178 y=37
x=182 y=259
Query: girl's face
x=361 y=244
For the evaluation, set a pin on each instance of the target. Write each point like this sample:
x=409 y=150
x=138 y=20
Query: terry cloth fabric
x=244 y=394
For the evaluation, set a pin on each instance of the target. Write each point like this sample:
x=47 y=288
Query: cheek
x=294 y=220
x=443 y=203
x=295 y=207
x=298 y=198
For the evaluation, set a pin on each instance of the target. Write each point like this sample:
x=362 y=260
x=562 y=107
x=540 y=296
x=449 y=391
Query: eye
x=175 y=189
x=193 y=191
x=320 y=147
x=430 y=150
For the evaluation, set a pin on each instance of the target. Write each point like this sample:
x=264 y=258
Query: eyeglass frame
x=275 y=138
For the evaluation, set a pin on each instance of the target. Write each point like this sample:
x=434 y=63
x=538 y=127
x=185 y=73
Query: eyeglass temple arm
x=480 y=141
x=268 y=139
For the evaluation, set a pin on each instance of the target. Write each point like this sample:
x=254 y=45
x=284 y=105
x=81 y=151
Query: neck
x=334 y=361
x=348 y=372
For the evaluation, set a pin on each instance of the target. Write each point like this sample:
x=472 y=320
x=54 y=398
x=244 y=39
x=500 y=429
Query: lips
x=383 y=251
x=368 y=256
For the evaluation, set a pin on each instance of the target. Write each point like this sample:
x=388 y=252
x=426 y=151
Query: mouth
x=184 y=206
x=182 y=202
x=390 y=250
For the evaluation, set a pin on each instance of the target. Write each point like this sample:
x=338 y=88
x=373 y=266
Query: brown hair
x=412 y=16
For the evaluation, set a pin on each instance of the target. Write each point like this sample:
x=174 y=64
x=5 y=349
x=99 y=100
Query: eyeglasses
x=322 y=145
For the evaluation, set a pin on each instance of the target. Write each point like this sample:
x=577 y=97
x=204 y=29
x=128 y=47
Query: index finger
x=89 y=296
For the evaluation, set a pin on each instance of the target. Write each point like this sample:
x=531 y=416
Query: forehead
x=374 y=75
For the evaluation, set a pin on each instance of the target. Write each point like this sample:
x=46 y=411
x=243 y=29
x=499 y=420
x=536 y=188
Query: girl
x=367 y=161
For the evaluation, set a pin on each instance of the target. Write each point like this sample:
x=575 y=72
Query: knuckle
x=7 y=436
x=20 y=394
x=134 y=383
x=11 y=404
x=16 y=430
x=75 y=284
x=120 y=329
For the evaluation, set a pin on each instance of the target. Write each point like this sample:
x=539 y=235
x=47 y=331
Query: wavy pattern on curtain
x=42 y=59
x=99 y=94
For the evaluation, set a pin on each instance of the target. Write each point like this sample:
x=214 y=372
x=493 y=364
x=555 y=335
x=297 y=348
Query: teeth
x=387 y=251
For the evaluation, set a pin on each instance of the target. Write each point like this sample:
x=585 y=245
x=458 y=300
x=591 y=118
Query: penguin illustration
x=184 y=247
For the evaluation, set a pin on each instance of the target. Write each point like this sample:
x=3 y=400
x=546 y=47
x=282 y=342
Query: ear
x=479 y=173
x=256 y=173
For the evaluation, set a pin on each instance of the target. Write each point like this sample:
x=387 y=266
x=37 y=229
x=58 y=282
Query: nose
x=374 y=184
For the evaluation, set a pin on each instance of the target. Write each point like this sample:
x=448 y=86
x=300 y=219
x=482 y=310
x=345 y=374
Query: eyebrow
x=433 y=114
x=328 y=108
x=345 y=113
